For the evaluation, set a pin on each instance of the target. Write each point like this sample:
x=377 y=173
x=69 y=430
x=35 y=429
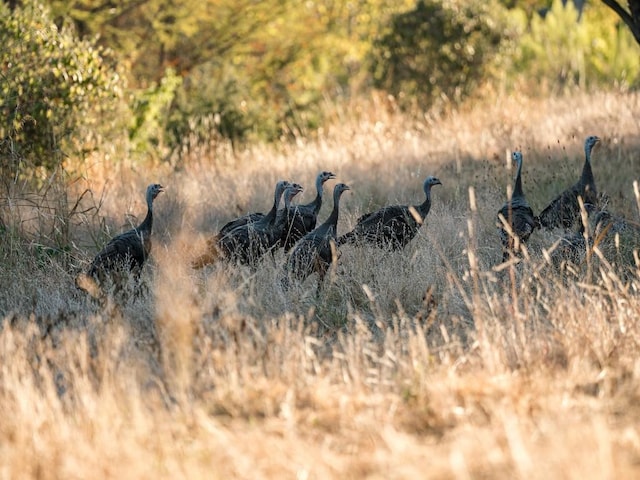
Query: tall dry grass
x=426 y=363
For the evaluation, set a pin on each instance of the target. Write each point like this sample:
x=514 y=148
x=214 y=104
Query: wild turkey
x=315 y=251
x=286 y=215
x=564 y=210
x=245 y=243
x=394 y=226
x=518 y=215
x=304 y=217
x=603 y=228
x=572 y=245
x=129 y=250
x=248 y=218
x=612 y=232
x=290 y=192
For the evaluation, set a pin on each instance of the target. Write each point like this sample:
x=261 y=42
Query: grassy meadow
x=426 y=363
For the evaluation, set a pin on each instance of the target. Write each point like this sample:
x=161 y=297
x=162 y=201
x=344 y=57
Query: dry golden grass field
x=431 y=362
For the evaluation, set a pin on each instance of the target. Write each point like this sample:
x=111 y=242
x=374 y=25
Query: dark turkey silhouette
x=602 y=228
x=128 y=251
x=572 y=245
x=518 y=215
x=315 y=251
x=246 y=243
x=286 y=215
x=248 y=218
x=564 y=210
x=394 y=226
x=304 y=217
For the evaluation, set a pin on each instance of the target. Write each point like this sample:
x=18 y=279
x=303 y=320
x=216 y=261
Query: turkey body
x=316 y=250
x=246 y=243
x=124 y=255
x=129 y=250
x=303 y=218
x=393 y=226
x=518 y=215
x=564 y=210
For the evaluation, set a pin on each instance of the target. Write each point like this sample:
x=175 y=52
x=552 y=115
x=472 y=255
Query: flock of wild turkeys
x=312 y=248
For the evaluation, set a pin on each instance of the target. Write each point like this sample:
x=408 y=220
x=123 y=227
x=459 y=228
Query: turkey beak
x=161 y=189
x=437 y=182
x=331 y=175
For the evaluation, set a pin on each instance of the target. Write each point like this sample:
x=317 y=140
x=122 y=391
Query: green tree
x=56 y=92
x=565 y=48
x=153 y=35
x=441 y=49
x=250 y=69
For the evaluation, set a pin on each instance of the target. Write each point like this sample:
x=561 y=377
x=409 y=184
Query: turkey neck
x=270 y=217
x=287 y=200
x=289 y=209
x=332 y=221
x=425 y=206
x=147 y=223
x=586 y=179
x=517 y=188
x=317 y=202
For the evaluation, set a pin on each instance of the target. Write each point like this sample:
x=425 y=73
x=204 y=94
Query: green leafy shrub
x=275 y=82
x=441 y=49
x=564 y=49
x=216 y=100
x=56 y=91
x=150 y=111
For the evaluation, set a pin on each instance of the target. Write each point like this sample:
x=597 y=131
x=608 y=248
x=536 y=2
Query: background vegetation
x=431 y=362
x=159 y=78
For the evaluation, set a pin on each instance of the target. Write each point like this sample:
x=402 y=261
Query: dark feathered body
x=603 y=228
x=564 y=210
x=249 y=218
x=394 y=226
x=522 y=222
x=246 y=243
x=517 y=213
x=129 y=250
x=314 y=251
x=303 y=218
x=571 y=248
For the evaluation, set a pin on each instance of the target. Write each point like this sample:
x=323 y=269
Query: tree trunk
x=631 y=18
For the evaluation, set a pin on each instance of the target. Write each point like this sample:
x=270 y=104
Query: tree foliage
x=260 y=69
x=153 y=35
x=54 y=89
x=565 y=49
x=198 y=70
x=441 y=49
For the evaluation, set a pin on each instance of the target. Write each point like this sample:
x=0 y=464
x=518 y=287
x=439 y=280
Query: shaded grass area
x=425 y=363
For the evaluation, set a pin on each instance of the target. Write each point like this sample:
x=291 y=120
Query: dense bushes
x=278 y=78
x=56 y=91
x=440 y=50
x=246 y=70
x=566 y=48
x=275 y=81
